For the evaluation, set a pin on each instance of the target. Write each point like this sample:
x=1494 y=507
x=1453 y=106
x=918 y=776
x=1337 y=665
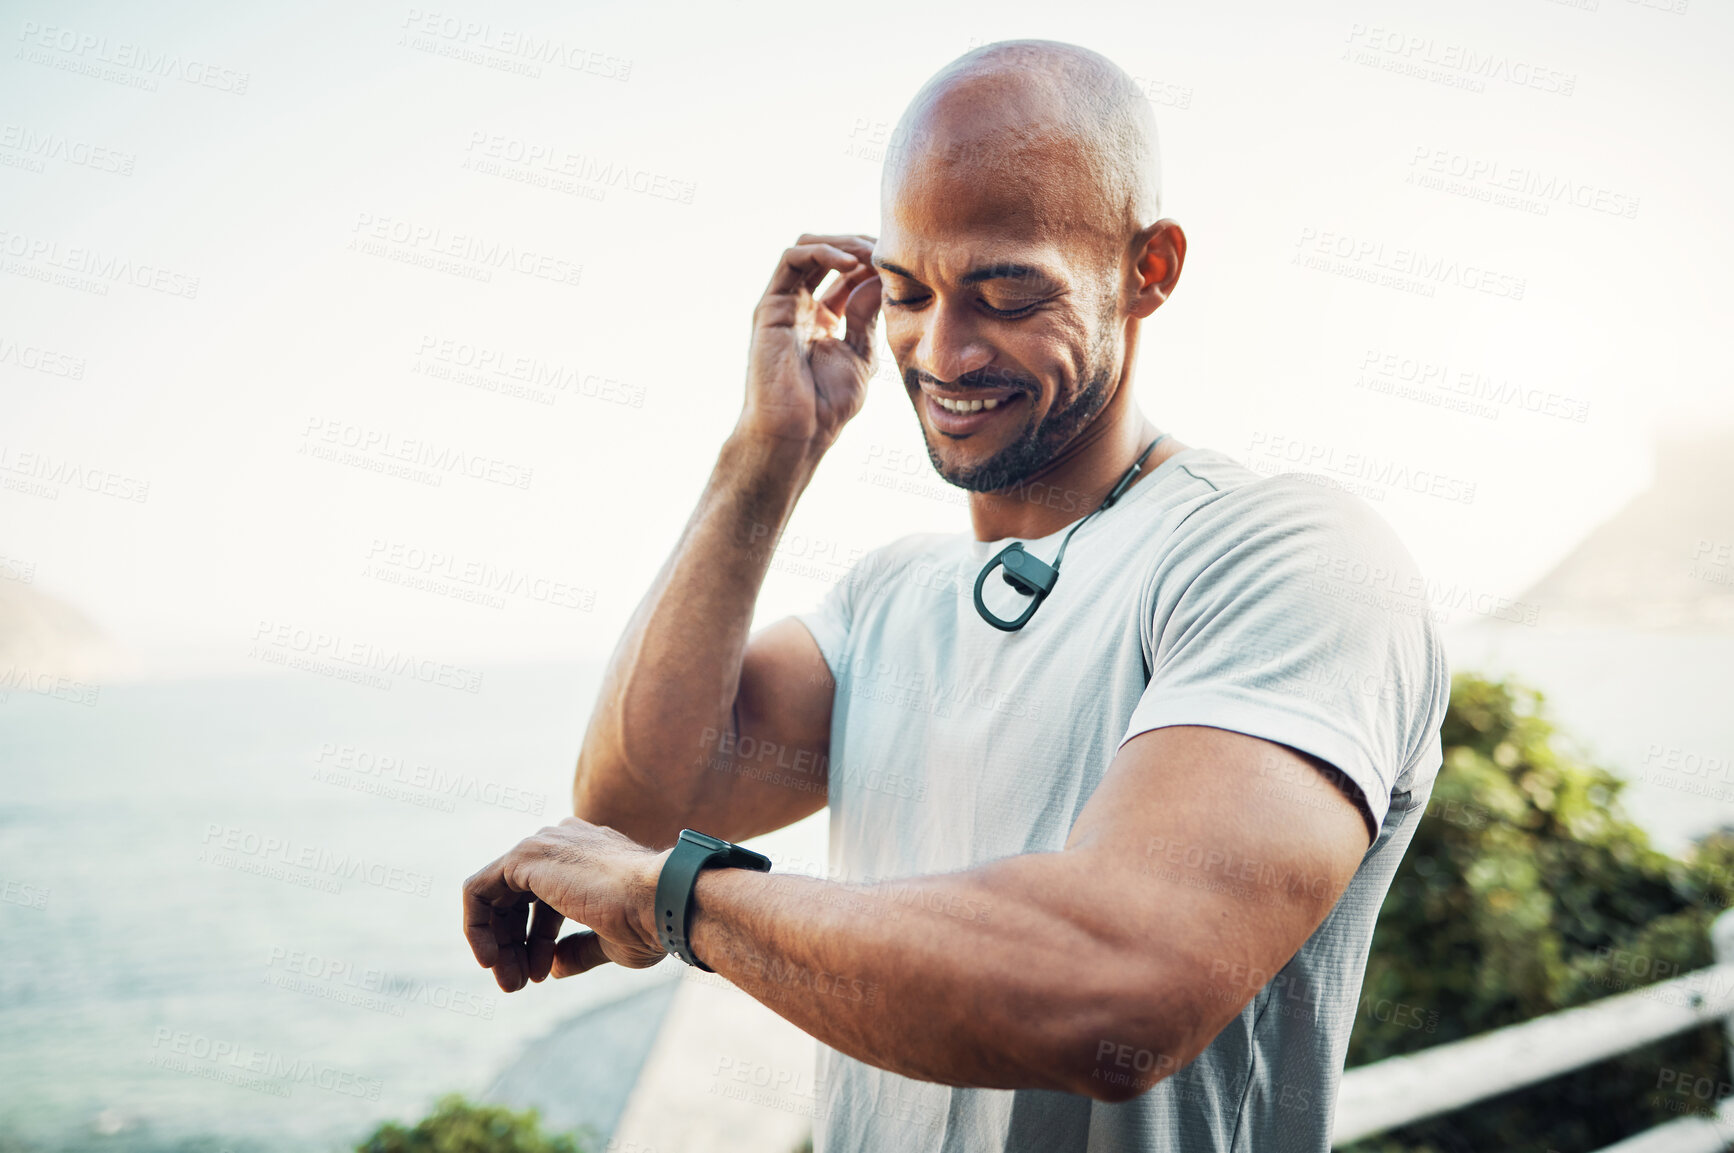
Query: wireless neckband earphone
x=1035 y=578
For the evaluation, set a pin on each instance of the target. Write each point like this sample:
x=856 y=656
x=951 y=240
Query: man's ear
x=1158 y=253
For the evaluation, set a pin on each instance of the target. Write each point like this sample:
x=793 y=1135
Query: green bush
x=1527 y=890
x=458 y=1126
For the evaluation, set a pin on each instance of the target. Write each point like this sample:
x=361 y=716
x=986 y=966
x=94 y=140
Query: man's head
x=1019 y=235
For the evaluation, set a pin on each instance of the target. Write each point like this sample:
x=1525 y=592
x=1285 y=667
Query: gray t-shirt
x=1273 y=606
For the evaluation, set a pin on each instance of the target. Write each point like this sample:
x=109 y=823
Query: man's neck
x=1073 y=484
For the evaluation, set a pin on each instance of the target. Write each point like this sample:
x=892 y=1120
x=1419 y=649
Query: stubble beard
x=1042 y=438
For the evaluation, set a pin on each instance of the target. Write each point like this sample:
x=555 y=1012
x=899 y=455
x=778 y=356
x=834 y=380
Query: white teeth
x=965 y=405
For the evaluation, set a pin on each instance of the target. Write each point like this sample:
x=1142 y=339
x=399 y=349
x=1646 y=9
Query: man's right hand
x=803 y=381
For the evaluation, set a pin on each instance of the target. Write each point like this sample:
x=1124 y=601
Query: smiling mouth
x=962 y=406
x=961 y=416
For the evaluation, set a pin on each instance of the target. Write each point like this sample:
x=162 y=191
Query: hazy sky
x=277 y=283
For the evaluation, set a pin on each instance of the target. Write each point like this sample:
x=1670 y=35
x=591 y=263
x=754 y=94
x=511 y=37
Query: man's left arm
x=1186 y=882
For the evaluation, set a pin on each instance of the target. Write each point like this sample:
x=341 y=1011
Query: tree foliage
x=459 y=1126
x=1527 y=890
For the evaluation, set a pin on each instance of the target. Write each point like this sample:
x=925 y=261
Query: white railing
x=1396 y=1091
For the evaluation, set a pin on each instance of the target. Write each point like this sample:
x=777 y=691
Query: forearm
x=991 y=978
x=676 y=671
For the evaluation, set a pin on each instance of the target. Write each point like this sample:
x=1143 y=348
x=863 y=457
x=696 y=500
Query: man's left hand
x=588 y=873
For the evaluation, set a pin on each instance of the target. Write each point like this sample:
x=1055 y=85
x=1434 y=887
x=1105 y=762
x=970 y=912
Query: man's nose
x=950 y=345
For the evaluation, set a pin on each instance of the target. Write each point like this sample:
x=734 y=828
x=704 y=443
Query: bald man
x=1101 y=881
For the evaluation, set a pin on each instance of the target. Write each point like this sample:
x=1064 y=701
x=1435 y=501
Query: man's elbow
x=1136 y=1040
x=1120 y=1070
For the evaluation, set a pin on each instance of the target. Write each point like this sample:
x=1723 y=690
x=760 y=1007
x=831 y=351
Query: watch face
x=702 y=840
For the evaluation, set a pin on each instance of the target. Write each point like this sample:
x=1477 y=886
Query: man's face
x=991 y=307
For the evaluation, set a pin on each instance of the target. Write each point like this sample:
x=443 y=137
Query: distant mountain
x=42 y=637
x=1665 y=562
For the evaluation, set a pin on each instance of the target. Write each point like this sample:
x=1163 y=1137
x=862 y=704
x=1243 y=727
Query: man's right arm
x=690 y=703
x=687 y=690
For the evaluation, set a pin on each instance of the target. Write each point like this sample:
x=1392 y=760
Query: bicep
x=1229 y=849
x=768 y=767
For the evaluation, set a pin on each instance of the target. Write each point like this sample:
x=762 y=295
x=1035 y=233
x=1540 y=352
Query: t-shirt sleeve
x=829 y=621
x=1291 y=612
x=855 y=593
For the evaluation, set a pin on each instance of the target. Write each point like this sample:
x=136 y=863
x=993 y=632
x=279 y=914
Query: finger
x=513 y=964
x=805 y=265
x=838 y=293
x=578 y=953
x=482 y=893
x=861 y=245
x=544 y=931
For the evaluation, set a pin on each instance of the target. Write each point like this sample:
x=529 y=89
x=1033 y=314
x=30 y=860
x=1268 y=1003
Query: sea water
x=231 y=907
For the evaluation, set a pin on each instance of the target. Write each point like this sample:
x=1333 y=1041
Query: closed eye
x=1007 y=313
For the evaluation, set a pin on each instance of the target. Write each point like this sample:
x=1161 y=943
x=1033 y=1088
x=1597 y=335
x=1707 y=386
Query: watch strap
x=693 y=853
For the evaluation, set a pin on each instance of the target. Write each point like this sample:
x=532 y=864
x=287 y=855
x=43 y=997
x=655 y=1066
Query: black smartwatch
x=693 y=853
